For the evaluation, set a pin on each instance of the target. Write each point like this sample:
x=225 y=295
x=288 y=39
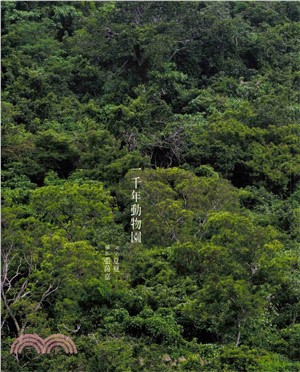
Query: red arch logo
x=43 y=346
x=59 y=340
x=29 y=340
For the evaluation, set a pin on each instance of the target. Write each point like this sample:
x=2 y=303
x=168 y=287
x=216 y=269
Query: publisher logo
x=43 y=346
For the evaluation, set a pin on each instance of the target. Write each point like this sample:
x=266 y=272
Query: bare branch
x=47 y=293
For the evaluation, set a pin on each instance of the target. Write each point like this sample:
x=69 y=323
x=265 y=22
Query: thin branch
x=47 y=293
x=239 y=334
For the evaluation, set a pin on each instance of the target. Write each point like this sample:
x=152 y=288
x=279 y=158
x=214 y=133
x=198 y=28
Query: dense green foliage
x=202 y=97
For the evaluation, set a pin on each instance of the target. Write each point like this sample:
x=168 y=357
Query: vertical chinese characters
x=107 y=262
x=136 y=212
x=116 y=260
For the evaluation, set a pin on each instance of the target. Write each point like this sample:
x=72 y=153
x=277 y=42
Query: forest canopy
x=198 y=99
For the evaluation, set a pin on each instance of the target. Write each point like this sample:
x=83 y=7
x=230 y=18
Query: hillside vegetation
x=203 y=97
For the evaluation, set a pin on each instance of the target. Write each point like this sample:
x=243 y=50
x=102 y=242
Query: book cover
x=150 y=183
